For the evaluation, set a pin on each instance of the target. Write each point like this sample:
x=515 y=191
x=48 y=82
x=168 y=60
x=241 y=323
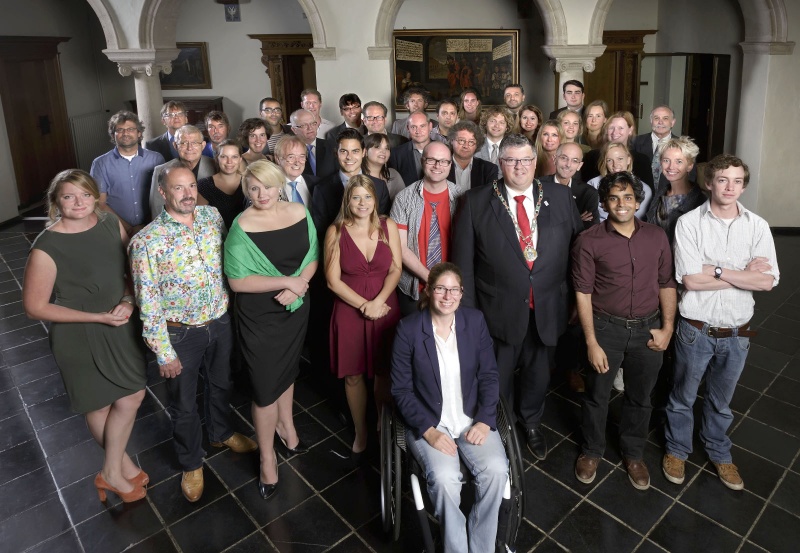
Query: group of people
x=237 y=249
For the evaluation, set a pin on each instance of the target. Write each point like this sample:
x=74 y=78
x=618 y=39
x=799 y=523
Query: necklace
x=529 y=252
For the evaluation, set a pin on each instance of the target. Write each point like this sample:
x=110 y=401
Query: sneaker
x=729 y=475
x=619 y=382
x=674 y=469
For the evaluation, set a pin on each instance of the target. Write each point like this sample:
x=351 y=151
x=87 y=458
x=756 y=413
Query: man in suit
x=468 y=171
x=512 y=242
x=311 y=101
x=662 y=119
x=573 y=95
x=374 y=116
x=569 y=158
x=406 y=158
x=320 y=158
x=415 y=99
x=350 y=108
x=190 y=144
x=326 y=200
x=290 y=154
x=447 y=113
x=218 y=127
x=173 y=115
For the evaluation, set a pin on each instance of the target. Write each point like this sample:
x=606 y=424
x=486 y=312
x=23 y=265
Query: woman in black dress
x=270 y=256
x=223 y=189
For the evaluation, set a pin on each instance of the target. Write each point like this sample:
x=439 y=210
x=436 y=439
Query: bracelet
x=128 y=299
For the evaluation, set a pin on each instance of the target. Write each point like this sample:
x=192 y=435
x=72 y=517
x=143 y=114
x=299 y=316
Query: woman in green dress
x=81 y=257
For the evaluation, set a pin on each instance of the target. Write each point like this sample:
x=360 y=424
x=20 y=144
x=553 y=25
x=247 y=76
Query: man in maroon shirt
x=622 y=273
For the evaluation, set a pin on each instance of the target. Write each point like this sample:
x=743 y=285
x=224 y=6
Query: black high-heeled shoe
x=299 y=449
x=267 y=490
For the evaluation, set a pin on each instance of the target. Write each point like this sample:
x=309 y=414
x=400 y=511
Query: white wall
x=237 y=73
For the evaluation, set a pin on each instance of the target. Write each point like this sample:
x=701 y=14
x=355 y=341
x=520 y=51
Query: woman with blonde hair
x=551 y=135
x=363 y=262
x=572 y=125
x=270 y=256
x=595 y=115
x=81 y=258
x=616 y=157
x=620 y=128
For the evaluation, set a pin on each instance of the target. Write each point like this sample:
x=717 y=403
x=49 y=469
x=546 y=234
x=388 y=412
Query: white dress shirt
x=453 y=422
x=530 y=207
x=302 y=189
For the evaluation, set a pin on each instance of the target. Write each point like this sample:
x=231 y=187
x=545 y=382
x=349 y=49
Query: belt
x=629 y=323
x=176 y=324
x=723 y=331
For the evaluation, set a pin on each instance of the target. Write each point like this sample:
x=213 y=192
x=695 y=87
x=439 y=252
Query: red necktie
x=525 y=227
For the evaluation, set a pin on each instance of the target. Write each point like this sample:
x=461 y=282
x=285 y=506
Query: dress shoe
x=238 y=443
x=576 y=383
x=729 y=475
x=537 y=444
x=267 y=490
x=299 y=449
x=586 y=468
x=102 y=486
x=674 y=468
x=637 y=473
x=141 y=479
x=192 y=484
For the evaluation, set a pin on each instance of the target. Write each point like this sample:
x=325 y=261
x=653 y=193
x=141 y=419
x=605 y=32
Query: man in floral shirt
x=177 y=272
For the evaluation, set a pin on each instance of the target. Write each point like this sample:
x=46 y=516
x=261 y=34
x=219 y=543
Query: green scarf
x=243 y=258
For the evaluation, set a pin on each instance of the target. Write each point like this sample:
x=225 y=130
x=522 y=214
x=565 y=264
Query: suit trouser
x=532 y=357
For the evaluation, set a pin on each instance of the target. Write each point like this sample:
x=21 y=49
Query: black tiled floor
x=47 y=462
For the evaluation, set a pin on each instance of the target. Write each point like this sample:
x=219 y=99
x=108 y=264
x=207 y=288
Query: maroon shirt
x=623 y=275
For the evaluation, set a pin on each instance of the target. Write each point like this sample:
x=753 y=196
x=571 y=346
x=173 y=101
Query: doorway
x=290 y=67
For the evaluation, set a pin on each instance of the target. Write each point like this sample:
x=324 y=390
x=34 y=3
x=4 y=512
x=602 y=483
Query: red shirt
x=443 y=214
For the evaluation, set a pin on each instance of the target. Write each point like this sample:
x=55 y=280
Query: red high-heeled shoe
x=135 y=494
x=141 y=479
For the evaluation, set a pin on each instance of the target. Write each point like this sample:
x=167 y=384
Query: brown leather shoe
x=729 y=475
x=586 y=468
x=238 y=443
x=674 y=468
x=637 y=473
x=192 y=484
x=576 y=383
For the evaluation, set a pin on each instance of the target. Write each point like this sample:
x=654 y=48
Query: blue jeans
x=206 y=349
x=721 y=360
x=489 y=467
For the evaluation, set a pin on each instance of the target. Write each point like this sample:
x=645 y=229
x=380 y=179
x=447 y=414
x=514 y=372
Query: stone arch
x=109 y=22
x=321 y=50
x=158 y=23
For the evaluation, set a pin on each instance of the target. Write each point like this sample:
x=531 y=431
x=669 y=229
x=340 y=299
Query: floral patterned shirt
x=177 y=275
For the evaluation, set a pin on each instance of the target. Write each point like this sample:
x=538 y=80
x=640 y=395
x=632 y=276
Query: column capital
x=578 y=57
x=768 y=48
x=146 y=61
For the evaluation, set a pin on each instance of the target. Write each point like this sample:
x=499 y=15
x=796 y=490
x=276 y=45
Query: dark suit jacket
x=332 y=134
x=327 y=164
x=483 y=172
x=161 y=145
x=554 y=114
x=326 y=201
x=396 y=139
x=643 y=143
x=496 y=276
x=402 y=160
x=585 y=196
x=641 y=166
x=416 y=378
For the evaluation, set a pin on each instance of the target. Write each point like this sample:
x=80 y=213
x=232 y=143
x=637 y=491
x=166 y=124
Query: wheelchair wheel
x=390 y=476
x=515 y=472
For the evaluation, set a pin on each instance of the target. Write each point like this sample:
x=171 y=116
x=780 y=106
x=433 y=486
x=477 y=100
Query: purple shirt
x=623 y=275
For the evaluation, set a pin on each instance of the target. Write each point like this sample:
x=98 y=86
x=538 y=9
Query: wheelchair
x=394 y=456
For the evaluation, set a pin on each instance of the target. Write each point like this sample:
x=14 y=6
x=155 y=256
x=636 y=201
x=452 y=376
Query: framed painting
x=189 y=69
x=446 y=61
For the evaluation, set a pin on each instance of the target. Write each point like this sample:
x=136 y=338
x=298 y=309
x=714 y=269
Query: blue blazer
x=417 y=383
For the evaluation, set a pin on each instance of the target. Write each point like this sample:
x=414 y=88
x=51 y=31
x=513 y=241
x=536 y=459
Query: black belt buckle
x=632 y=324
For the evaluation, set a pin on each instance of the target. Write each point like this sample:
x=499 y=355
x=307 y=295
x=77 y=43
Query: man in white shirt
x=290 y=154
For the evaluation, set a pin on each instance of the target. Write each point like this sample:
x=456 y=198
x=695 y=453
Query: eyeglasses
x=525 y=162
x=312 y=125
x=374 y=117
x=465 y=142
x=271 y=110
x=174 y=114
x=352 y=107
x=126 y=130
x=188 y=145
x=574 y=160
x=442 y=290
x=433 y=162
x=292 y=158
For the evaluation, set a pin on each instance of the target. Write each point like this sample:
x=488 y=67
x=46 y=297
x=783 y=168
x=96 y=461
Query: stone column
x=571 y=61
x=144 y=65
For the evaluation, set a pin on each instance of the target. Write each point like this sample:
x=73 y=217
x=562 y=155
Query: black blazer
x=162 y=145
x=497 y=279
x=643 y=143
x=416 y=377
x=327 y=164
x=402 y=160
x=483 y=172
x=332 y=134
x=641 y=166
x=326 y=201
x=554 y=114
x=585 y=196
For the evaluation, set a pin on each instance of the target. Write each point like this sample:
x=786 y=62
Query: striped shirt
x=702 y=238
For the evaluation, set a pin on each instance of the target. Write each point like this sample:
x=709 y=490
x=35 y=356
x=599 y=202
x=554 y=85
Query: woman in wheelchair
x=445 y=385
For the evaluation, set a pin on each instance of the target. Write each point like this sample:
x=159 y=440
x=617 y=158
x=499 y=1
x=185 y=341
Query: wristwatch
x=717 y=272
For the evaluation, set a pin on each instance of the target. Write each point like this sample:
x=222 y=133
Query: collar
x=119 y=155
x=637 y=224
x=706 y=211
x=344 y=178
x=298 y=180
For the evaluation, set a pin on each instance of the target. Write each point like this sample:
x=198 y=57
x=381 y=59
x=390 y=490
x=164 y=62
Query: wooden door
x=35 y=113
x=290 y=67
